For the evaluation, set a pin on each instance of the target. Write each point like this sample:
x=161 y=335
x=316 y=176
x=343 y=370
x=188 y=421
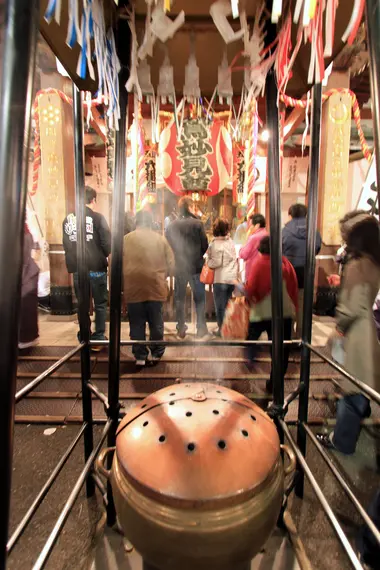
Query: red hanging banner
x=200 y=162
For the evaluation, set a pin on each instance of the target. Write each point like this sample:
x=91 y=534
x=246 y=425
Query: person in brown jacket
x=147 y=261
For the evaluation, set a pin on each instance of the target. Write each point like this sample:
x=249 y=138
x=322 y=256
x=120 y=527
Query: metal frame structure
x=19 y=47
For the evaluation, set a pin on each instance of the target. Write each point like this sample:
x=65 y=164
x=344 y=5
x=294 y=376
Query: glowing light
x=276 y=11
x=265 y=135
x=136 y=432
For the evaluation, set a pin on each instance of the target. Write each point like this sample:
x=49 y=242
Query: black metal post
x=118 y=207
x=274 y=182
x=83 y=280
x=315 y=147
x=373 y=29
x=18 y=49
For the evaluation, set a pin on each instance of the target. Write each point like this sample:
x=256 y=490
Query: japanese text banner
x=200 y=162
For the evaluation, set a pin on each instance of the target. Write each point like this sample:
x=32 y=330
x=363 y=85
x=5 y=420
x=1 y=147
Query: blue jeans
x=366 y=542
x=99 y=293
x=350 y=412
x=222 y=294
x=198 y=290
x=150 y=312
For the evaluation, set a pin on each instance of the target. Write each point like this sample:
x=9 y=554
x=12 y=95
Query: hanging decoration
x=302 y=103
x=200 y=162
x=158 y=26
x=219 y=12
x=254 y=51
x=133 y=80
x=141 y=178
x=282 y=63
x=331 y=8
x=191 y=89
x=91 y=34
x=354 y=23
x=53 y=10
x=252 y=153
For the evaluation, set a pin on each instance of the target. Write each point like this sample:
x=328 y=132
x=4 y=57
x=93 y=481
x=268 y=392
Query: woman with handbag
x=222 y=258
x=355 y=328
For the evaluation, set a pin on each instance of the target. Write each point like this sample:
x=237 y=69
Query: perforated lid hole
x=222 y=444
x=162 y=438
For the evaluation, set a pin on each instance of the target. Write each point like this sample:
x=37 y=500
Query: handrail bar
x=98 y=394
x=343 y=484
x=322 y=499
x=43 y=492
x=193 y=342
x=37 y=381
x=54 y=535
x=367 y=390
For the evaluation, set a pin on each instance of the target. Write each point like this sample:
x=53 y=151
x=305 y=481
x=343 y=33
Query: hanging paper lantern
x=200 y=162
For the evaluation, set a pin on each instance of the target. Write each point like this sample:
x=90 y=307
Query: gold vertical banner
x=335 y=175
x=52 y=180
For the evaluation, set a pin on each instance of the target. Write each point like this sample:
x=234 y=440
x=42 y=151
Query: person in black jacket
x=188 y=239
x=98 y=248
x=294 y=240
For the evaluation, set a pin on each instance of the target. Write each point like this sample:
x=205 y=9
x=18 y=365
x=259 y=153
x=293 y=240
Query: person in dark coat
x=98 y=248
x=188 y=239
x=294 y=242
x=28 y=333
x=368 y=547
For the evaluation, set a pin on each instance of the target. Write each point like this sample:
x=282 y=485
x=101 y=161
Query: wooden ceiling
x=209 y=46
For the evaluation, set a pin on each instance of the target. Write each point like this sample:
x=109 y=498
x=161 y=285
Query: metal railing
x=19 y=48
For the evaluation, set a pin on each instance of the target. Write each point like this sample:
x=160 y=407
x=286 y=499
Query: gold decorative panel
x=52 y=180
x=335 y=175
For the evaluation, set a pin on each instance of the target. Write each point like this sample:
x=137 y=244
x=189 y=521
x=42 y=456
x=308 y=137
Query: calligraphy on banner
x=150 y=170
x=368 y=195
x=238 y=175
x=200 y=162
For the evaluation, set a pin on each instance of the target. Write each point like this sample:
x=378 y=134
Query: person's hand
x=334 y=280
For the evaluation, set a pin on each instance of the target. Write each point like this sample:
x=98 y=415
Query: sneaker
x=99 y=347
x=181 y=334
x=140 y=362
x=30 y=344
x=203 y=335
x=156 y=359
x=325 y=439
x=217 y=333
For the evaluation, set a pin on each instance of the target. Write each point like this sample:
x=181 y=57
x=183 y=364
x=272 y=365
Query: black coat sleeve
x=104 y=236
x=204 y=240
x=65 y=238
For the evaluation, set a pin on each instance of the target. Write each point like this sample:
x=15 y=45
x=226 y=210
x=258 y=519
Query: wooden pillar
x=57 y=184
x=335 y=148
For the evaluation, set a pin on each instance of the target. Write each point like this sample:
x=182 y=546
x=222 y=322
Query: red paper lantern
x=200 y=162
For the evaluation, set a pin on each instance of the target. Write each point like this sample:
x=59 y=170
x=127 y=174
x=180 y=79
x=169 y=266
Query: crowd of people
x=149 y=258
